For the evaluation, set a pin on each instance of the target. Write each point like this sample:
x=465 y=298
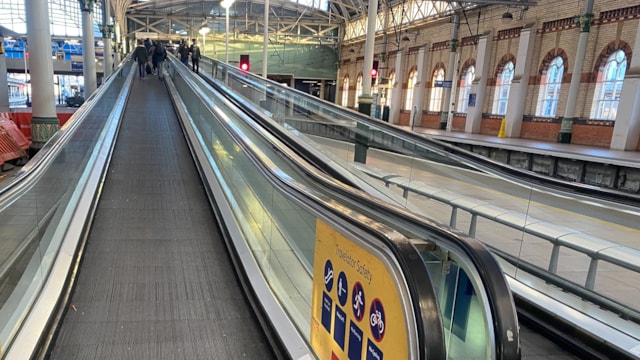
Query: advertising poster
x=357 y=311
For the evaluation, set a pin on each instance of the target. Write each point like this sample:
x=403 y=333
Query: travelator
x=557 y=263
x=334 y=271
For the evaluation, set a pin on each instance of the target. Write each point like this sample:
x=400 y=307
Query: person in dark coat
x=183 y=51
x=140 y=55
x=158 y=55
x=195 y=55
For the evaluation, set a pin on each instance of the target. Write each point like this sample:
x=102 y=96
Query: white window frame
x=503 y=85
x=435 y=97
x=411 y=82
x=358 y=90
x=465 y=88
x=550 y=85
x=609 y=87
x=345 y=91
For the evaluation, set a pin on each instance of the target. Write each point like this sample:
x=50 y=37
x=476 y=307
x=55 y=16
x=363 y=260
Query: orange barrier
x=11 y=148
x=23 y=121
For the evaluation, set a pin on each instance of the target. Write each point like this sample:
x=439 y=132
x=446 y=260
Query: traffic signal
x=374 y=70
x=244 y=63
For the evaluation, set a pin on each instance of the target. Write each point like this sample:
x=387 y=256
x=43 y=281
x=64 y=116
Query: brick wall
x=594 y=135
x=615 y=25
x=458 y=122
x=537 y=130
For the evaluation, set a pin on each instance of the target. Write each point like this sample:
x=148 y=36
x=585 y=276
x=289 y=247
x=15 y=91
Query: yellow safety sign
x=357 y=312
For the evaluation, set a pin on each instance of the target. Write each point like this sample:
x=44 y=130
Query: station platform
x=573 y=151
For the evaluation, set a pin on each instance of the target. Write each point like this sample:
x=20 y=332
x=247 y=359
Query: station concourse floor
x=156 y=281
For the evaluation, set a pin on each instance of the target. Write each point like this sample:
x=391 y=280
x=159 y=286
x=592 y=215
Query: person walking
x=195 y=55
x=159 y=54
x=183 y=50
x=140 y=55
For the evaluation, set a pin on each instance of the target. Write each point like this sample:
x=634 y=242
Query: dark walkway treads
x=156 y=281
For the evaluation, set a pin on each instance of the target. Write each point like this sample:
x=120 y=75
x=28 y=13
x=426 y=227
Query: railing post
x=472 y=226
x=553 y=263
x=454 y=217
x=591 y=275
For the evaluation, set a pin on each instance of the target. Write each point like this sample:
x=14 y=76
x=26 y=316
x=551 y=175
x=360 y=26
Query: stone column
x=626 y=129
x=44 y=122
x=88 y=48
x=107 y=62
x=453 y=46
x=520 y=82
x=365 y=100
x=419 y=86
x=396 y=101
x=479 y=85
x=4 y=84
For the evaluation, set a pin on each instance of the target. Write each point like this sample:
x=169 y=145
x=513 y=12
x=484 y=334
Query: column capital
x=86 y=5
x=453 y=44
x=106 y=31
x=584 y=21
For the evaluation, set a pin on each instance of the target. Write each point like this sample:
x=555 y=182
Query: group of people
x=157 y=52
x=194 y=50
x=146 y=50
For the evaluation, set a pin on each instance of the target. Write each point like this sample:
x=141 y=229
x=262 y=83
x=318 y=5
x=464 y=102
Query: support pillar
x=396 y=100
x=453 y=46
x=44 y=121
x=626 y=129
x=419 y=88
x=88 y=48
x=564 y=136
x=4 y=84
x=479 y=85
x=520 y=82
x=365 y=100
x=107 y=31
x=107 y=62
x=265 y=41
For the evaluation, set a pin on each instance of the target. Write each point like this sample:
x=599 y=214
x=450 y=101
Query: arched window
x=358 y=90
x=609 y=87
x=465 y=88
x=411 y=82
x=501 y=95
x=435 y=99
x=392 y=79
x=345 y=91
x=550 y=89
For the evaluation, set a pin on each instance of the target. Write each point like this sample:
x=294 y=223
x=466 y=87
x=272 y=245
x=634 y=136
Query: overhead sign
x=357 y=312
x=146 y=34
x=443 y=84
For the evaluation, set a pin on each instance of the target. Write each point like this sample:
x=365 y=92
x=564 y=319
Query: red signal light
x=244 y=63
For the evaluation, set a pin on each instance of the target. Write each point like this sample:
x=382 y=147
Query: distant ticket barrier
x=357 y=310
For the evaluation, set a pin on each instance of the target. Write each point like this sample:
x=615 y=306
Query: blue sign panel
x=472 y=99
x=328 y=275
x=373 y=352
x=76 y=66
x=342 y=289
x=355 y=342
x=339 y=327
x=327 y=303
